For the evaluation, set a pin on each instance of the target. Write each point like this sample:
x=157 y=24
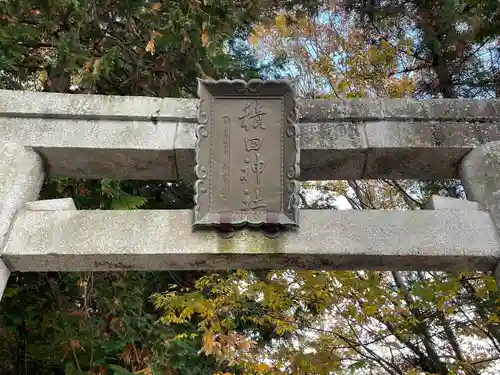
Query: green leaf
x=358 y=365
x=127 y=202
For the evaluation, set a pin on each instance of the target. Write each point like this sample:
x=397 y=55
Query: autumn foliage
x=252 y=322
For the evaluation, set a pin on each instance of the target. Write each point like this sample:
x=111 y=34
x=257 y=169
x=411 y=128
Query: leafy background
x=251 y=321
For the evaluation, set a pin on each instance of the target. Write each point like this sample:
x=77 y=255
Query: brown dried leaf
x=75 y=344
x=77 y=314
x=97 y=64
x=204 y=36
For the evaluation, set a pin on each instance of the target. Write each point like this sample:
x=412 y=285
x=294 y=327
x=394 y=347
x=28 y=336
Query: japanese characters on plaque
x=247 y=154
x=254 y=165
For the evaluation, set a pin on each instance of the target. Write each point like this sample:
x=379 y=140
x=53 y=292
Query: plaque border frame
x=208 y=91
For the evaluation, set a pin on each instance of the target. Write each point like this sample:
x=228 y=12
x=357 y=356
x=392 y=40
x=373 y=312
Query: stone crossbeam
x=90 y=136
x=445 y=239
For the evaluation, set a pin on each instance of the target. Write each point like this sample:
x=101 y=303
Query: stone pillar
x=21 y=178
x=480 y=174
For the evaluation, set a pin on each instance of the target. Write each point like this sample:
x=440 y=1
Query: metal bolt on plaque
x=247 y=156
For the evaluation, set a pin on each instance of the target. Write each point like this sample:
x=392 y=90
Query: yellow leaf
x=150 y=47
x=209 y=343
x=261 y=367
x=384 y=44
x=280 y=22
x=309 y=28
x=204 y=36
x=145 y=371
x=156 y=6
x=371 y=310
x=43 y=76
x=253 y=39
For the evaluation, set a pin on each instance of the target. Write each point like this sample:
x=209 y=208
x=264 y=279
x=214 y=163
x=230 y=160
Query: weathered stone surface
x=21 y=178
x=4 y=277
x=438 y=202
x=143 y=150
x=91 y=136
x=62 y=204
x=98 y=148
x=54 y=105
x=394 y=109
x=441 y=109
x=162 y=239
x=332 y=149
x=185 y=141
x=480 y=175
x=422 y=149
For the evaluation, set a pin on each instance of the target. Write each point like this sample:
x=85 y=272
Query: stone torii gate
x=87 y=136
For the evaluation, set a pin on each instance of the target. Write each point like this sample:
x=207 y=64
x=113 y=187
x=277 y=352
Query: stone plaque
x=247 y=154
